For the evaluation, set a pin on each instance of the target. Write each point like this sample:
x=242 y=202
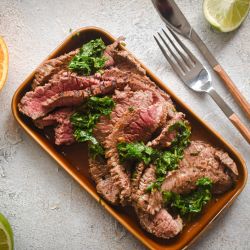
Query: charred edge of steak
x=105 y=185
x=126 y=62
x=51 y=67
x=110 y=51
x=147 y=202
x=200 y=160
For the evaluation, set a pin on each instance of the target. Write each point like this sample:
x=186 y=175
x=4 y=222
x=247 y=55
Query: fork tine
x=176 y=69
x=185 y=59
x=192 y=57
x=173 y=54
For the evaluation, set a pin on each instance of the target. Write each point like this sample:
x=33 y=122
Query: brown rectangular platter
x=74 y=158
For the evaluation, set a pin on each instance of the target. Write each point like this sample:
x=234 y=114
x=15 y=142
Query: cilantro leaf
x=90 y=58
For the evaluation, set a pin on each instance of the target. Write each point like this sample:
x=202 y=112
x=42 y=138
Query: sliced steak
x=145 y=201
x=166 y=136
x=137 y=125
x=61 y=91
x=202 y=160
x=105 y=185
x=126 y=62
x=77 y=97
x=126 y=100
x=134 y=81
x=110 y=51
x=162 y=224
x=51 y=67
x=63 y=130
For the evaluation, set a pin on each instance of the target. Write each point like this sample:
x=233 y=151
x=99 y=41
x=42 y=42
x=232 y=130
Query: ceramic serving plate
x=74 y=158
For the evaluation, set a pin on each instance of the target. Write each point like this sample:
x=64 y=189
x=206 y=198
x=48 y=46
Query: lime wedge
x=6 y=234
x=226 y=15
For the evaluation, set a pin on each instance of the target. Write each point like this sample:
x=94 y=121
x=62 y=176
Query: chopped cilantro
x=85 y=120
x=90 y=58
x=191 y=203
x=165 y=161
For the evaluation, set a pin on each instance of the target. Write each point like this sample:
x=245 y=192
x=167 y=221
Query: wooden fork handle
x=233 y=89
x=240 y=126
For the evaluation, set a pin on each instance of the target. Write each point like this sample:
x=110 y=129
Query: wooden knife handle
x=240 y=126
x=233 y=89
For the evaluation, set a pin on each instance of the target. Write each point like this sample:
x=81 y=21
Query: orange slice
x=4 y=60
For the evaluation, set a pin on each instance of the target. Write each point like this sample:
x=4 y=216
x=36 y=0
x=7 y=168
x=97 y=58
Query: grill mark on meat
x=63 y=130
x=51 y=67
x=135 y=181
x=200 y=161
x=105 y=185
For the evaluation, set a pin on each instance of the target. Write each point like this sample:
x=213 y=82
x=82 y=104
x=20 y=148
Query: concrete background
x=45 y=207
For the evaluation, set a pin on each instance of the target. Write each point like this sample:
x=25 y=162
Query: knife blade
x=173 y=17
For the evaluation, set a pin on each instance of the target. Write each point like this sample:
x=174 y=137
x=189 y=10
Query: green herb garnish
x=85 y=119
x=164 y=160
x=90 y=59
x=191 y=203
x=136 y=152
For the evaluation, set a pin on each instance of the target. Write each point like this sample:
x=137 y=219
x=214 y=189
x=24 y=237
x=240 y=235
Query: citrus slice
x=3 y=62
x=226 y=15
x=6 y=234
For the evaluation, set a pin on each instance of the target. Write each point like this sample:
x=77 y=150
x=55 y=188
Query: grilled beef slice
x=110 y=51
x=126 y=62
x=66 y=89
x=137 y=125
x=134 y=81
x=129 y=104
x=149 y=208
x=51 y=67
x=125 y=100
x=105 y=185
x=202 y=160
x=162 y=224
x=63 y=130
x=166 y=137
x=148 y=202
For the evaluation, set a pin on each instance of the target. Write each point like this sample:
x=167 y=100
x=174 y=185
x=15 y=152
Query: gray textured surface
x=46 y=208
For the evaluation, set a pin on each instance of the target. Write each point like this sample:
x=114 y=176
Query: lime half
x=6 y=234
x=226 y=15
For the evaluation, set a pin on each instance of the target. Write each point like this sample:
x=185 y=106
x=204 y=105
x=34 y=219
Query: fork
x=195 y=75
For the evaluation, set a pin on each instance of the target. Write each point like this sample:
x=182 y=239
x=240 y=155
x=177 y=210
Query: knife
x=175 y=20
